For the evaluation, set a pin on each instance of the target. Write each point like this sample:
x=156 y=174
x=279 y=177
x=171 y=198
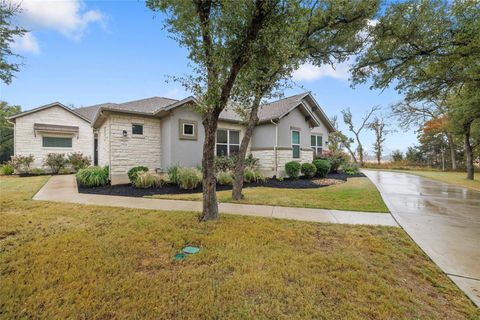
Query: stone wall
x=267 y=159
x=133 y=150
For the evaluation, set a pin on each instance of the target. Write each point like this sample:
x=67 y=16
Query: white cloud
x=309 y=72
x=69 y=17
x=26 y=44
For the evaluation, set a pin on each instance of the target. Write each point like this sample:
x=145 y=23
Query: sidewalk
x=64 y=189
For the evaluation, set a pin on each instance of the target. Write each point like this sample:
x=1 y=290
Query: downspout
x=275 y=147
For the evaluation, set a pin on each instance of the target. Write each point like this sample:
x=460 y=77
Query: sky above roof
x=86 y=53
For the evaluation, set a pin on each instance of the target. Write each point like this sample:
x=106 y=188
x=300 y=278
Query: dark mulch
x=130 y=191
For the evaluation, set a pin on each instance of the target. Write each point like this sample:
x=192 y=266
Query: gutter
x=275 y=147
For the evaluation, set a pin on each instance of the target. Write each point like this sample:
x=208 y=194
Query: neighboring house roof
x=47 y=106
x=156 y=106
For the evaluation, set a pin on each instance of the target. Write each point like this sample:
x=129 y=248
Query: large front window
x=56 y=142
x=317 y=142
x=296 y=144
x=228 y=142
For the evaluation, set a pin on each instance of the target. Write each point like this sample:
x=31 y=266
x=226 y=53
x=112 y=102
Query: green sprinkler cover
x=179 y=256
x=191 y=250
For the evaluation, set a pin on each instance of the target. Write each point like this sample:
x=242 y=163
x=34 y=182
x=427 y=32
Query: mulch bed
x=128 y=190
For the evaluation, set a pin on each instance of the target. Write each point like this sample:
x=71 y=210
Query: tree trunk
x=240 y=165
x=210 y=204
x=468 y=152
x=453 y=155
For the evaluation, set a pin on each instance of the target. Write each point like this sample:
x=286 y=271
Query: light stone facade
x=267 y=159
x=132 y=150
x=27 y=142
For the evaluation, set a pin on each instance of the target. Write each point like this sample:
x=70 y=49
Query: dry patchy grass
x=61 y=261
x=357 y=194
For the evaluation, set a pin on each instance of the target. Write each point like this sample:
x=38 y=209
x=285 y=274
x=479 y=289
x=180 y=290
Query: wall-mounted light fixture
x=124 y=133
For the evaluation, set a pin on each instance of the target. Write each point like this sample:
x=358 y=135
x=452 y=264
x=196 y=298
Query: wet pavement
x=444 y=220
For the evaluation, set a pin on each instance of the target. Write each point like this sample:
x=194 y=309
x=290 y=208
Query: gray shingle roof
x=275 y=109
x=147 y=106
x=150 y=106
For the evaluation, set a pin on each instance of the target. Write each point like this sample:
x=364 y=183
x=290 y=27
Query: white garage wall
x=27 y=143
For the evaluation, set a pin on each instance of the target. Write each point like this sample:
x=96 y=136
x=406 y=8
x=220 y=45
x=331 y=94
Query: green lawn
x=357 y=194
x=456 y=178
x=61 y=261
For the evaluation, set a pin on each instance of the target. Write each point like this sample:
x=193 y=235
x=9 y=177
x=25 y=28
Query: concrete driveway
x=444 y=220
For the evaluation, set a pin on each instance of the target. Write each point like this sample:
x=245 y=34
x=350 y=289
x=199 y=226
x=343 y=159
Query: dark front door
x=95 y=152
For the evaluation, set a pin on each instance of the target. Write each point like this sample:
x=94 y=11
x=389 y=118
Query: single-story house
x=160 y=132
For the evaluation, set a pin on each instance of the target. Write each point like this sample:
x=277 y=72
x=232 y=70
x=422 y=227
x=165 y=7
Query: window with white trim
x=228 y=142
x=295 y=144
x=317 y=144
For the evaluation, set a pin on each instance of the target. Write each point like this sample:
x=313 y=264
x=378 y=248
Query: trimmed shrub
x=78 y=161
x=93 y=176
x=308 y=170
x=6 y=170
x=225 y=178
x=147 y=179
x=323 y=167
x=225 y=163
x=350 y=169
x=55 y=161
x=37 y=171
x=336 y=159
x=133 y=173
x=292 y=169
x=253 y=175
x=172 y=173
x=22 y=163
x=189 y=178
x=228 y=163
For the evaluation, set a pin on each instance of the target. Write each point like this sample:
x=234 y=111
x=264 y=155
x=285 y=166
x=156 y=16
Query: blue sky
x=84 y=53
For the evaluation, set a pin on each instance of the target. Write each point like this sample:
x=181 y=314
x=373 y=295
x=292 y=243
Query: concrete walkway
x=64 y=189
x=443 y=219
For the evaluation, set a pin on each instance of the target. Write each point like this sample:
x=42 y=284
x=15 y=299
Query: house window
x=137 y=129
x=188 y=129
x=228 y=142
x=317 y=143
x=296 y=144
x=56 y=142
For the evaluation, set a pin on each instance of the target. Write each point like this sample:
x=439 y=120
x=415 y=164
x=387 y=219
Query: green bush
x=93 y=176
x=225 y=163
x=336 y=159
x=55 y=161
x=253 y=175
x=78 y=161
x=6 y=170
x=292 y=169
x=172 y=173
x=22 y=163
x=308 y=170
x=225 y=178
x=350 y=169
x=228 y=163
x=147 y=179
x=133 y=173
x=323 y=167
x=189 y=178
x=37 y=171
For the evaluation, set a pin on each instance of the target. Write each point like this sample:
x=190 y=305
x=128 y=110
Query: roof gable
x=48 y=106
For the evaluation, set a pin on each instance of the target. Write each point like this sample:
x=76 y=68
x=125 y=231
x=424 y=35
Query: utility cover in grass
x=191 y=250
x=179 y=256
